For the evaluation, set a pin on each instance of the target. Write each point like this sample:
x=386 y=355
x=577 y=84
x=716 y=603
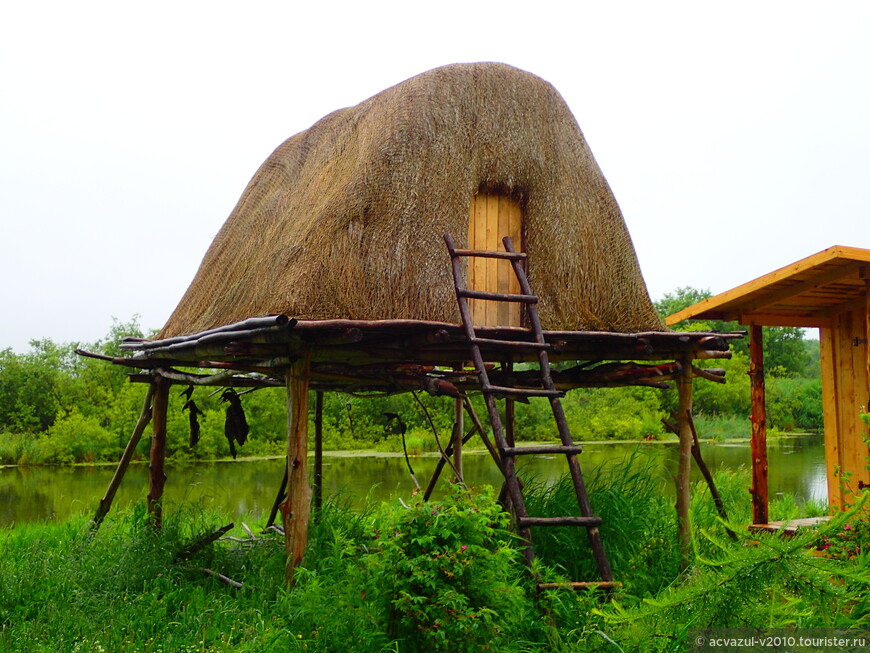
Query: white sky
x=735 y=136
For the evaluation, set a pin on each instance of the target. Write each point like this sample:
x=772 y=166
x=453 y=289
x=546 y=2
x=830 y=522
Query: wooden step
x=588 y=522
x=497 y=296
x=542 y=449
x=581 y=585
x=480 y=253
x=512 y=344
x=521 y=392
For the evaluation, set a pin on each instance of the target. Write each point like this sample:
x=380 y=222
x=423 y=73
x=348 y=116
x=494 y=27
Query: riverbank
x=128 y=589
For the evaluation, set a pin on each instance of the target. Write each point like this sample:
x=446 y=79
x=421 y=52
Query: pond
x=248 y=487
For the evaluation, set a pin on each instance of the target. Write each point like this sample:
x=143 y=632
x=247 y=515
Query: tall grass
x=434 y=576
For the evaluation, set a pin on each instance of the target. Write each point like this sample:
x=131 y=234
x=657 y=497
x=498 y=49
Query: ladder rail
x=508 y=451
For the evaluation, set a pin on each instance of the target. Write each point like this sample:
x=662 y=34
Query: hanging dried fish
x=193 y=415
x=235 y=426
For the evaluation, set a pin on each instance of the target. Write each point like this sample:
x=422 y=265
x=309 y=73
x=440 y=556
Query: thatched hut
x=345 y=219
x=331 y=274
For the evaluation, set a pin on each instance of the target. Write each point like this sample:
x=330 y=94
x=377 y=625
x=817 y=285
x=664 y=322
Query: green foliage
x=766 y=582
x=52 y=387
x=75 y=437
x=446 y=575
x=397 y=578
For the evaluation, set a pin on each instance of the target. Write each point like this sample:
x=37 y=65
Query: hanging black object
x=193 y=415
x=235 y=426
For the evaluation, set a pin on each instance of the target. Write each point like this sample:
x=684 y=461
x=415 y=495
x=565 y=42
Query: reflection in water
x=27 y=494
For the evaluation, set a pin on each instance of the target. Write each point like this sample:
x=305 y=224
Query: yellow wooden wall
x=846 y=393
x=492 y=217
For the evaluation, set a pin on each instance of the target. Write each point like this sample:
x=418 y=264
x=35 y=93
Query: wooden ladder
x=507 y=451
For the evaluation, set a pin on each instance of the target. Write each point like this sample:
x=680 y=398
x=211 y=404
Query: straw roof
x=345 y=219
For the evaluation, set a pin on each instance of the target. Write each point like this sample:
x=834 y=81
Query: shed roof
x=346 y=219
x=806 y=293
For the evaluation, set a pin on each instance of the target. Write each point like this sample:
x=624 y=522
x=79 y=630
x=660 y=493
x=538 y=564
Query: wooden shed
x=828 y=291
x=331 y=274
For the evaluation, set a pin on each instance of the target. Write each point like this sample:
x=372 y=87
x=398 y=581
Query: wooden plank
x=846 y=407
x=505 y=270
x=759 y=426
x=477 y=266
x=515 y=232
x=853 y=447
x=296 y=508
x=777 y=319
x=493 y=243
x=830 y=391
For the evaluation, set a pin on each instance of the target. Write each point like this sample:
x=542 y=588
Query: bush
x=76 y=438
x=446 y=575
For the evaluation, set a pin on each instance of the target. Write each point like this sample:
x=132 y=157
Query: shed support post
x=124 y=463
x=318 y=450
x=157 y=457
x=296 y=508
x=684 y=466
x=759 y=426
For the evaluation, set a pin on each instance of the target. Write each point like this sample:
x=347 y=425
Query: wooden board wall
x=493 y=217
x=846 y=392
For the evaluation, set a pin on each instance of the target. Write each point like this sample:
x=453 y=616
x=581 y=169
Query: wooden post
x=318 y=450
x=759 y=426
x=684 y=467
x=126 y=457
x=458 y=432
x=297 y=506
x=157 y=458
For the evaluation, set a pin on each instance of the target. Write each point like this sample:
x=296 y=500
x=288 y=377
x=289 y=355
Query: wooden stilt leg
x=126 y=457
x=157 y=458
x=318 y=450
x=297 y=507
x=759 y=426
x=684 y=468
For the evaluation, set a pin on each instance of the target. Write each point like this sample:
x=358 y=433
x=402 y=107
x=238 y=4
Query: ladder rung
x=512 y=344
x=582 y=585
x=522 y=392
x=555 y=449
x=511 y=256
x=497 y=296
x=588 y=522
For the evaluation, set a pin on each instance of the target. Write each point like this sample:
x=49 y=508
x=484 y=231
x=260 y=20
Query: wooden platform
x=402 y=355
x=790 y=527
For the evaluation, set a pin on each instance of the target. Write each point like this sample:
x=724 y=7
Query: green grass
x=437 y=576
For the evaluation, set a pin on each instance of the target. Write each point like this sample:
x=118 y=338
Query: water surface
x=248 y=487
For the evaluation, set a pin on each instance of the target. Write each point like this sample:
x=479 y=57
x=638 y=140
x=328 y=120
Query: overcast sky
x=735 y=136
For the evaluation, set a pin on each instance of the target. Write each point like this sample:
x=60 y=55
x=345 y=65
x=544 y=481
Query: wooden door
x=492 y=217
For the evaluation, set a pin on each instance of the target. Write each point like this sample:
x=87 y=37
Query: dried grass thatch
x=345 y=220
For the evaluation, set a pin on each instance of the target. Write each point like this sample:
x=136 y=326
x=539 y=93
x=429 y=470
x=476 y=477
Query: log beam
x=296 y=508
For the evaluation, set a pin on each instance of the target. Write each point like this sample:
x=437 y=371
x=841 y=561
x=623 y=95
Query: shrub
x=75 y=437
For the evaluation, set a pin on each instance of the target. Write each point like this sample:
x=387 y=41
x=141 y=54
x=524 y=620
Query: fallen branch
x=202 y=542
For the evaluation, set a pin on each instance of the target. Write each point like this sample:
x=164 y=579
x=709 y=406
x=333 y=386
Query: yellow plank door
x=492 y=218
